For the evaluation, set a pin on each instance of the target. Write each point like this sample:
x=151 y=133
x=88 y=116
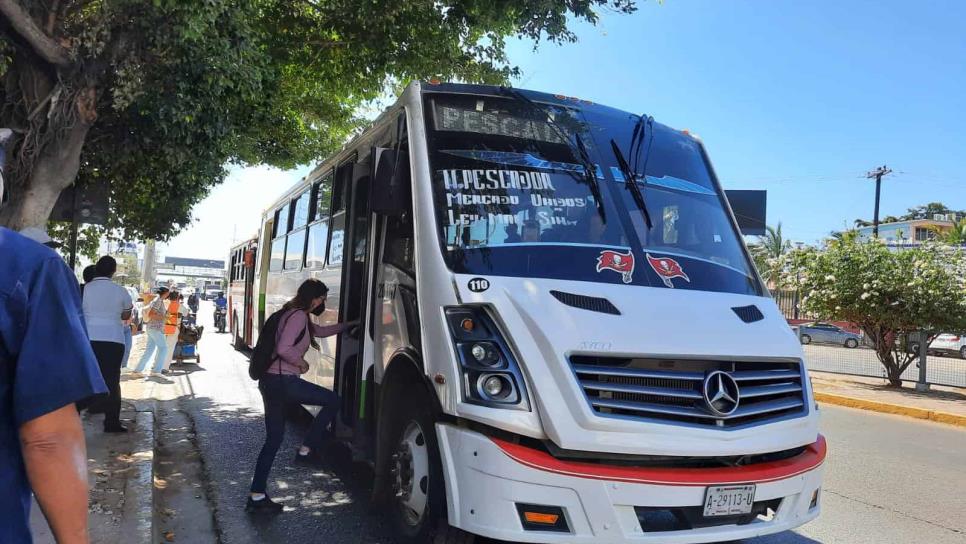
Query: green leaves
x=768 y=251
x=185 y=88
x=889 y=293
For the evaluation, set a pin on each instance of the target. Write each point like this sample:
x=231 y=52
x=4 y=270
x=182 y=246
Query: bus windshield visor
x=514 y=196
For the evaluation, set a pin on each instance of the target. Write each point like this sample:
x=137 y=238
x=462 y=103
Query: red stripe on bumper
x=812 y=457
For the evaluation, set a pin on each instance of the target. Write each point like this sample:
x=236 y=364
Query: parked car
x=827 y=333
x=138 y=303
x=949 y=344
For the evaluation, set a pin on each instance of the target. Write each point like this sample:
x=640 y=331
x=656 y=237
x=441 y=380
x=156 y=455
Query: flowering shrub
x=887 y=293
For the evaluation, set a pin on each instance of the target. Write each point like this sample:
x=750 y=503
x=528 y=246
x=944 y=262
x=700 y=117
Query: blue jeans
x=128 y=340
x=278 y=393
x=156 y=344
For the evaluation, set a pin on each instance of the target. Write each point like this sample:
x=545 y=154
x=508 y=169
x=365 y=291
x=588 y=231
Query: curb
x=138 y=516
x=886 y=408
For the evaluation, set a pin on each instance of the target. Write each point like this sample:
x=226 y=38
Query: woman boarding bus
x=282 y=387
x=564 y=337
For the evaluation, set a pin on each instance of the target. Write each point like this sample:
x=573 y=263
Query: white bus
x=564 y=337
x=241 y=291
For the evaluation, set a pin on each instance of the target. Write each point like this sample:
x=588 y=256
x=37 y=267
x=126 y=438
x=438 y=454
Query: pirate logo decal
x=667 y=268
x=622 y=263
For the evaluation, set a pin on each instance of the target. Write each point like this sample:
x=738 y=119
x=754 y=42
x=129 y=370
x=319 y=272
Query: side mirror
x=749 y=209
x=390 y=181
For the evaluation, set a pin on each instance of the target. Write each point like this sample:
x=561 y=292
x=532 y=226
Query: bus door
x=248 y=319
x=393 y=326
x=260 y=280
x=353 y=299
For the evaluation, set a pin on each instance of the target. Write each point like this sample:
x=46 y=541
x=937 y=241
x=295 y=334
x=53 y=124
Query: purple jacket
x=289 y=354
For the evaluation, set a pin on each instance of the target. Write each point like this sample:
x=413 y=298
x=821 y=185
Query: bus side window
x=319 y=229
x=300 y=210
x=275 y=224
x=337 y=230
x=279 y=229
x=295 y=249
x=278 y=254
x=321 y=198
x=283 y=223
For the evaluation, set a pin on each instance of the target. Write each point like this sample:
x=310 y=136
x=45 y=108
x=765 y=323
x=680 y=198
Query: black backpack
x=264 y=353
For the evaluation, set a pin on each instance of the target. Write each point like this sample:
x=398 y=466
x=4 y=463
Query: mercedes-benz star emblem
x=721 y=393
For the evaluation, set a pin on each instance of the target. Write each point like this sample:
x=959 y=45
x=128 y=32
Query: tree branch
x=27 y=28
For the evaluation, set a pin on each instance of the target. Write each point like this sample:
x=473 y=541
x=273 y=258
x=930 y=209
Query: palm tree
x=768 y=250
x=957 y=235
x=844 y=235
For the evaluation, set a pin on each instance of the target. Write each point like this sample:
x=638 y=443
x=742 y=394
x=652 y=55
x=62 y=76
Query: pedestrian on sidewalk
x=46 y=365
x=172 y=326
x=107 y=306
x=88 y=276
x=156 y=345
x=282 y=387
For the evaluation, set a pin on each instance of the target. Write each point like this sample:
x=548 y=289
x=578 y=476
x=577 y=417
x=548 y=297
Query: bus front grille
x=673 y=390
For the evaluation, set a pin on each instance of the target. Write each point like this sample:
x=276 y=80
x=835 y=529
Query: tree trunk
x=884 y=342
x=54 y=171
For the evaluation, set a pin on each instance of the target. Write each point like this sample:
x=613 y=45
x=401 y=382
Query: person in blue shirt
x=46 y=365
x=221 y=302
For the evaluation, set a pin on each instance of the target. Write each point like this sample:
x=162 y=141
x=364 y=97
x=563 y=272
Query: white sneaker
x=155 y=375
x=136 y=374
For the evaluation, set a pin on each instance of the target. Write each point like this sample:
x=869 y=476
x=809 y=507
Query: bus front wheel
x=418 y=491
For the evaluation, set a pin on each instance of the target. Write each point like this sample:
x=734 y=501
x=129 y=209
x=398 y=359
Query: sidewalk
x=120 y=475
x=942 y=404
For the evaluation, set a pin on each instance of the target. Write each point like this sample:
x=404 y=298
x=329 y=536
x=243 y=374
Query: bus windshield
x=514 y=198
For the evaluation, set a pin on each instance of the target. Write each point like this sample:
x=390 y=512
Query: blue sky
x=800 y=98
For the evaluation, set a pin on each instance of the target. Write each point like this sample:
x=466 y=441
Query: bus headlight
x=491 y=375
x=495 y=386
x=485 y=353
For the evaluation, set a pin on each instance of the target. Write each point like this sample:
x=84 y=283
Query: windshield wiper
x=630 y=183
x=577 y=147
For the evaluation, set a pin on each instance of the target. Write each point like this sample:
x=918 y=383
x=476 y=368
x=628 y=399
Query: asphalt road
x=888 y=479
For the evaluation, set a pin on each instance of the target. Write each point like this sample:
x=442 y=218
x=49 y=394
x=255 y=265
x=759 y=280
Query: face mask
x=319 y=309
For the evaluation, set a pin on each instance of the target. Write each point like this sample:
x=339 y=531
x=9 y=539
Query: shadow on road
x=328 y=504
x=787 y=537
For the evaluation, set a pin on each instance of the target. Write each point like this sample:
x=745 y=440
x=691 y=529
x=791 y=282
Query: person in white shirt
x=106 y=307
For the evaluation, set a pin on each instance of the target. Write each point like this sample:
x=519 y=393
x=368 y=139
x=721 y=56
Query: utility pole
x=877 y=174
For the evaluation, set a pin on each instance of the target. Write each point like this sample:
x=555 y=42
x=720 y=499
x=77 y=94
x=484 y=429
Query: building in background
x=195 y=273
x=911 y=232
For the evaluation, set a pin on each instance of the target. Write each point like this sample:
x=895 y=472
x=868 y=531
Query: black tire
x=851 y=343
x=431 y=526
x=962 y=352
x=913 y=347
x=806 y=339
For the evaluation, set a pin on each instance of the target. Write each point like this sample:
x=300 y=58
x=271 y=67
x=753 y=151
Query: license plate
x=728 y=500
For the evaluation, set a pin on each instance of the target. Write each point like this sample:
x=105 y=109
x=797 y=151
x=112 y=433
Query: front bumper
x=486 y=479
